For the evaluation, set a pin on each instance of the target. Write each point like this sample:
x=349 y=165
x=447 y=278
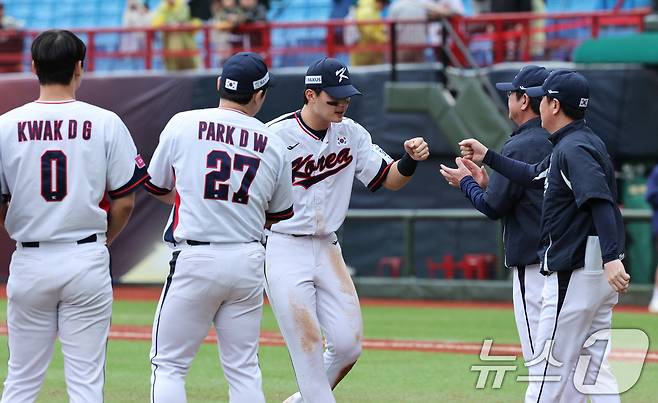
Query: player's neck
x=525 y=118
x=312 y=120
x=54 y=93
x=246 y=109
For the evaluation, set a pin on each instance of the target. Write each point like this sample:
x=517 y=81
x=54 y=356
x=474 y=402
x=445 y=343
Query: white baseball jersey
x=58 y=161
x=323 y=171
x=228 y=169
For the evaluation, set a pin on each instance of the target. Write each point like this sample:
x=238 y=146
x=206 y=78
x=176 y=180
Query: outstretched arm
x=527 y=175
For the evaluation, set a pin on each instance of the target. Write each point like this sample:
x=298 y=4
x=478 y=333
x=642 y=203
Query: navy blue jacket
x=652 y=198
x=578 y=170
x=518 y=207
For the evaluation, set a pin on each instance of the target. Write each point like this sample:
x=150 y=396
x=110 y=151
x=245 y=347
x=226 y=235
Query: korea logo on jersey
x=341 y=141
x=583 y=102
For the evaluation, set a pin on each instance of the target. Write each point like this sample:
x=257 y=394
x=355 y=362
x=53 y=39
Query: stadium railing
x=495 y=37
x=410 y=216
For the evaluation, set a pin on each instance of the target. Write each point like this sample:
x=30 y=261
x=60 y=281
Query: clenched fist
x=417 y=148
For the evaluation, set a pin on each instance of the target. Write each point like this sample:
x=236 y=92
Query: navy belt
x=196 y=243
x=89 y=239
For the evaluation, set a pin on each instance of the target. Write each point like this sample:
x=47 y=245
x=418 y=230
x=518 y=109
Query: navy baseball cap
x=528 y=76
x=567 y=86
x=331 y=76
x=245 y=73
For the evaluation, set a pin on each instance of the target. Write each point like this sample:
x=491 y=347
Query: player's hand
x=479 y=173
x=617 y=276
x=454 y=175
x=472 y=150
x=417 y=148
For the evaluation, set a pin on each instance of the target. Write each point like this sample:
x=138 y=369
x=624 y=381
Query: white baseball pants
x=58 y=289
x=576 y=305
x=312 y=294
x=220 y=284
x=527 y=286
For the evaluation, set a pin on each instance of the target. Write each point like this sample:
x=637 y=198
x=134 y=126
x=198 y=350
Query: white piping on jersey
x=567 y=181
x=232 y=109
x=56 y=102
x=304 y=128
x=280 y=118
x=543 y=174
x=545 y=262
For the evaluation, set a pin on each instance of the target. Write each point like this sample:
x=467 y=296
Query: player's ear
x=309 y=94
x=555 y=106
x=78 y=68
x=34 y=67
x=219 y=79
x=526 y=102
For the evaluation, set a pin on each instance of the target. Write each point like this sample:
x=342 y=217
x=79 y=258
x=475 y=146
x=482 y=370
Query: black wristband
x=407 y=165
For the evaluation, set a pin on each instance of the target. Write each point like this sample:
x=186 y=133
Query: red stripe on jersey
x=379 y=179
x=304 y=129
x=127 y=190
x=176 y=206
x=105 y=203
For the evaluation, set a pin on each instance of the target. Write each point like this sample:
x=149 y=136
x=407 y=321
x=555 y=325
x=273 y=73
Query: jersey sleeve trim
x=281 y=215
x=377 y=182
x=156 y=190
x=139 y=176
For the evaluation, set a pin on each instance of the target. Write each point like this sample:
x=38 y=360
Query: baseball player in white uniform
x=226 y=174
x=59 y=159
x=307 y=281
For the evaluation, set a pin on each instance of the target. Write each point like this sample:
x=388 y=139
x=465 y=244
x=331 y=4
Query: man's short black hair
x=570 y=111
x=316 y=90
x=55 y=54
x=534 y=102
x=242 y=99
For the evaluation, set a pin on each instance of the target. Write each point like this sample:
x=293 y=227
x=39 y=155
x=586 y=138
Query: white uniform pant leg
x=84 y=323
x=33 y=295
x=188 y=304
x=339 y=312
x=527 y=287
x=291 y=270
x=598 y=371
x=238 y=329
x=571 y=305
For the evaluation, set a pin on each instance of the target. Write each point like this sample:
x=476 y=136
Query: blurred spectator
x=136 y=15
x=8 y=23
x=171 y=13
x=516 y=43
x=409 y=34
x=201 y=9
x=652 y=198
x=227 y=15
x=372 y=34
x=11 y=42
x=253 y=12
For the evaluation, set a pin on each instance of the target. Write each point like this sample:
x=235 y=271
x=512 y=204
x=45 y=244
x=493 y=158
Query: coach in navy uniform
x=582 y=240
x=518 y=207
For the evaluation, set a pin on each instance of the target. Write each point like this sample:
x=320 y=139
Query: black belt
x=196 y=243
x=89 y=239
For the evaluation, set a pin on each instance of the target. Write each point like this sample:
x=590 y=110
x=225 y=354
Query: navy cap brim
x=342 y=91
x=505 y=87
x=535 y=91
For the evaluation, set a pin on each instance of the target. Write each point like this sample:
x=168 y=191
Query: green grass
x=379 y=376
